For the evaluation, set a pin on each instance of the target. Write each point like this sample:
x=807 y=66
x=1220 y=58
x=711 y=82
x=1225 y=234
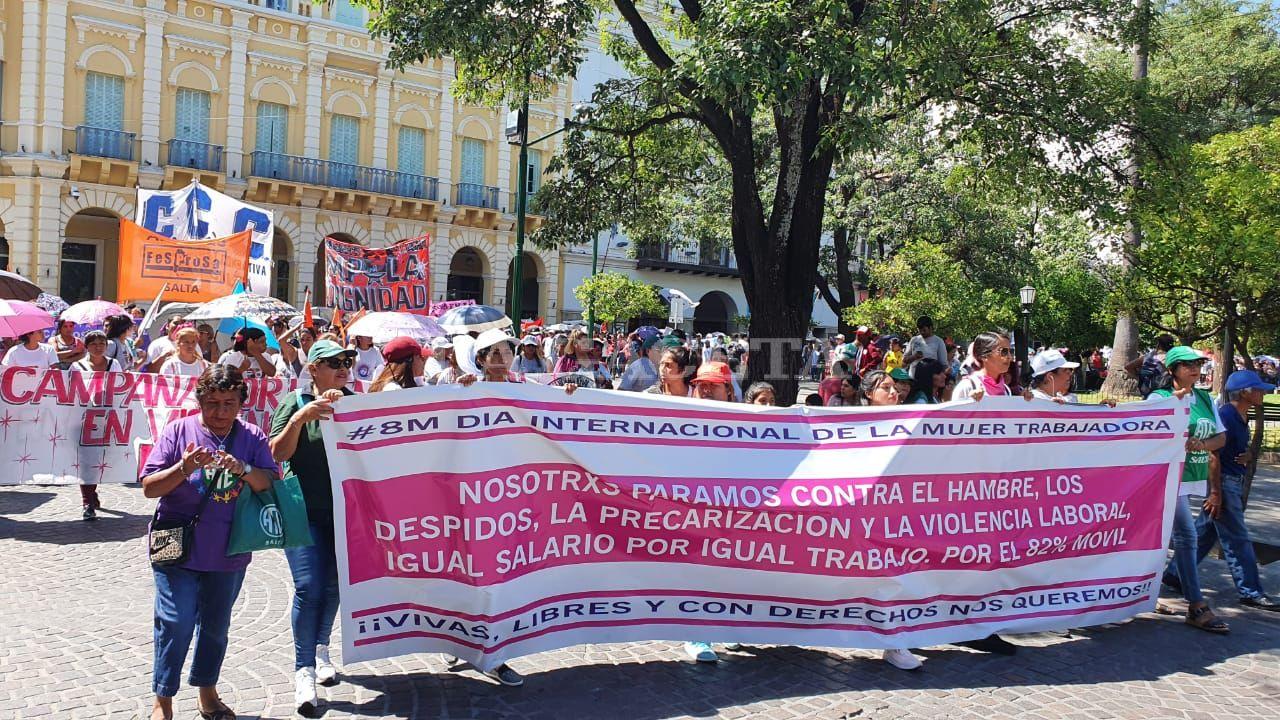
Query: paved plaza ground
x=75 y=642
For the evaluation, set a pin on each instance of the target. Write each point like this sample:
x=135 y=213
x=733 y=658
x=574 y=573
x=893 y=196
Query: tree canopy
x=614 y=297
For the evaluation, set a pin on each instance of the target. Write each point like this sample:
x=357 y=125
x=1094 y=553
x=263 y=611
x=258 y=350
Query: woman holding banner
x=993 y=355
x=676 y=369
x=296 y=442
x=880 y=390
x=197 y=469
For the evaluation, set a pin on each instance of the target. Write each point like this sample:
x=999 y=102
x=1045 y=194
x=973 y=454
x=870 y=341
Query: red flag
x=307 y=319
x=526 y=324
x=604 y=328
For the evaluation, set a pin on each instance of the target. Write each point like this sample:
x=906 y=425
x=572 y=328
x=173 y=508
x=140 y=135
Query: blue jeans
x=315 y=593
x=191 y=602
x=1230 y=530
x=1185 y=559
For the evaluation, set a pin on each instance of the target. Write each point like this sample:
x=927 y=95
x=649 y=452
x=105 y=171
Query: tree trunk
x=1228 y=363
x=1124 y=348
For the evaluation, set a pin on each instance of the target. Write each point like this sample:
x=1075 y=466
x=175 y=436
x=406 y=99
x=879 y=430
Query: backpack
x=1152 y=376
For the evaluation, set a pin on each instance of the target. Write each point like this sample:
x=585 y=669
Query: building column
x=441 y=254
x=47 y=231
x=29 y=77
x=381 y=119
x=236 y=92
x=152 y=97
x=315 y=94
x=20 y=230
x=444 y=169
x=304 y=249
x=55 y=73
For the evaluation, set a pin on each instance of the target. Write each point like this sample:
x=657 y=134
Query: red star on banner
x=6 y=420
x=101 y=467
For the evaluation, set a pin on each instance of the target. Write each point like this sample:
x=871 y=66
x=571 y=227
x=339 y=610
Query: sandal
x=222 y=712
x=1204 y=619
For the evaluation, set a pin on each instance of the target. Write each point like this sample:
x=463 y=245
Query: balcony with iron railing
x=105 y=143
x=683 y=258
x=476 y=196
x=345 y=176
x=105 y=156
x=195 y=155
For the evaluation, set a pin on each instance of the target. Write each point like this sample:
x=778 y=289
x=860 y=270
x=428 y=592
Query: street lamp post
x=1028 y=297
x=519 y=135
x=517 y=271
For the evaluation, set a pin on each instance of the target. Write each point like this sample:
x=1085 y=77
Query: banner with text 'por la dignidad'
x=500 y=520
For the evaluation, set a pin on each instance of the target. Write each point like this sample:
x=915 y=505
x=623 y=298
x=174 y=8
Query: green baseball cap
x=326 y=349
x=670 y=341
x=1182 y=353
x=900 y=374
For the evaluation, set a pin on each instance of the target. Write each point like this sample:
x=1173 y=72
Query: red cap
x=715 y=372
x=401 y=349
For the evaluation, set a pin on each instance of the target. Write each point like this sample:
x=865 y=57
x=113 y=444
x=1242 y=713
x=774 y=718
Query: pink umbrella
x=19 y=318
x=91 y=313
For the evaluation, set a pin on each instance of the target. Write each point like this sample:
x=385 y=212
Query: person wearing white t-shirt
x=187 y=361
x=926 y=345
x=163 y=348
x=249 y=354
x=368 y=359
x=30 y=352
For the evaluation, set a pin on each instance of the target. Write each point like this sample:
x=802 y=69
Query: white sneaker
x=304 y=691
x=326 y=673
x=902 y=659
x=701 y=652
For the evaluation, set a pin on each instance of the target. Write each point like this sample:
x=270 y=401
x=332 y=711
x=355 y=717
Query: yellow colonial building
x=286 y=104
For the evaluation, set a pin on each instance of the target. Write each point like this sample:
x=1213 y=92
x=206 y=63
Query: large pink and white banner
x=499 y=520
x=64 y=427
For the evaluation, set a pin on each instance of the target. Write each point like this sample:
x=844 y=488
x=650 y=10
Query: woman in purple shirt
x=210 y=453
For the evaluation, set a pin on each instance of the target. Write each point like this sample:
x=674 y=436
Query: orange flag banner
x=194 y=271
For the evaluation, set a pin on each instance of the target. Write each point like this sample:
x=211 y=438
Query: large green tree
x=1210 y=263
x=766 y=94
x=1206 y=67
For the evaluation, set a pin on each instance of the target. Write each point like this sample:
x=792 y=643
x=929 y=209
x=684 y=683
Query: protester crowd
x=201 y=463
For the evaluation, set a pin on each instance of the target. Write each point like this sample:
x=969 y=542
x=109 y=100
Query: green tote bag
x=273 y=519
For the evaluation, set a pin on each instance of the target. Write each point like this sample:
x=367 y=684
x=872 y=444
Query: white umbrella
x=244 y=304
x=384 y=326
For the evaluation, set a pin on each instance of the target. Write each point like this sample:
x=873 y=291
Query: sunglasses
x=335 y=363
x=1004 y=351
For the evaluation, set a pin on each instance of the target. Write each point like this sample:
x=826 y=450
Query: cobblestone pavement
x=75 y=642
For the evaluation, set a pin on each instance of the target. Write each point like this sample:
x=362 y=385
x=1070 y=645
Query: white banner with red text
x=65 y=427
x=501 y=519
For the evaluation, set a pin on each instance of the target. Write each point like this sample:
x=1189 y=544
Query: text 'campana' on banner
x=532 y=520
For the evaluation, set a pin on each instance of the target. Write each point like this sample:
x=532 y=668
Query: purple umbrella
x=18 y=318
x=91 y=313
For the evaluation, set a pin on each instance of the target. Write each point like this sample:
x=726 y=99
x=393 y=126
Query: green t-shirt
x=309 y=461
x=1204 y=425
